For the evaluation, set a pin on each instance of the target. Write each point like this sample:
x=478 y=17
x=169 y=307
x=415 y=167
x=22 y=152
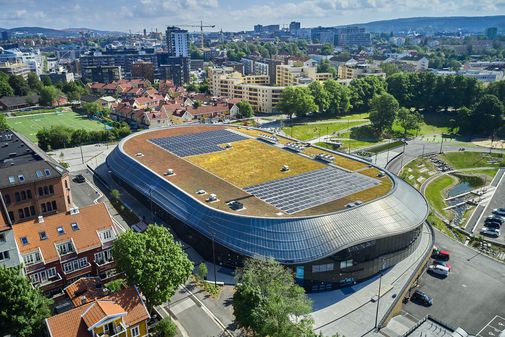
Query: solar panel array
x=303 y=191
x=197 y=143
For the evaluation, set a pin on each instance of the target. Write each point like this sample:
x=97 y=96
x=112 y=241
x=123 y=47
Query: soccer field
x=29 y=125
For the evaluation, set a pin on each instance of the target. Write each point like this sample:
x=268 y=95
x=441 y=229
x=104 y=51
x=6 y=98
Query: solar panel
x=197 y=143
x=303 y=191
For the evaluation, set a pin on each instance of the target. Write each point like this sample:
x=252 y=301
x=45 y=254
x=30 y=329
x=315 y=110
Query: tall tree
x=327 y=49
x=399 y=85
x=3 y=123
x=34 y=82
x=153 y=261
x=409 y=120
x=22 y=307
x=324 y=66
x=19 y=85
x=5 y=88
x=486 y=116
x=296 y=101
x=383 y=112
x=321 y=97
x=267 y=302
x=245 y=109
x=48 y=94
x=364 y=89
x=338 y=97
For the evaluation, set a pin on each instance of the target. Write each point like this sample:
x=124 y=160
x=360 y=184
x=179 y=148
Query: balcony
x=105 y=264
x=117 y=331
x=77 y=272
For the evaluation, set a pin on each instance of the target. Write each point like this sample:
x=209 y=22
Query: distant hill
x=473 y=24
x=49 y=32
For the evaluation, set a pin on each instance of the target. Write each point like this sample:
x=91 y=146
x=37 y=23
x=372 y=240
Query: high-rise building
x=258 y=28
x=143 y=70
x=294 y=26
x=102 y=74
x=177 y=42
x=174 y=68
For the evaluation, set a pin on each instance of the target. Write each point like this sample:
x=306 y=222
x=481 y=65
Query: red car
x=442 y=263
x=441 y=255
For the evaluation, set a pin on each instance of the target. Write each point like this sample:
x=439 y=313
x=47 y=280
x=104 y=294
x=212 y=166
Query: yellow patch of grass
x=256 y=133
x=251 y=162
x=341 y=161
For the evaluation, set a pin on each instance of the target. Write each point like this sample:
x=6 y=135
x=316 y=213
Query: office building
x=353 y=36
x=174 y=68
x=294 y=26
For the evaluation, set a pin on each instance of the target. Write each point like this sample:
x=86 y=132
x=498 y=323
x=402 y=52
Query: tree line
x=475 y=109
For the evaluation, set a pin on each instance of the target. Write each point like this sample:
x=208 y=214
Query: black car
x=492 y=224
x=79 y=178
x=493 y=218
x=421 y=298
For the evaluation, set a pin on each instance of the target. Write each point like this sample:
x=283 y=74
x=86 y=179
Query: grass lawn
x=462 y=160
x=434 y=123
x=314 y=130
x=344 y=162
x=252 y=162
x=29 y=125
x=419 y=168
x=435 y=192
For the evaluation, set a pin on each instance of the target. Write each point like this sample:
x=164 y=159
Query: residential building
x=173 y=68
x=104 y=74
x=32 y=58
x=288 y=75
x=63 y=247
x=353 y=69
x=9 y=255
x=177 y=42
x=15 y=68
x=63 y=76
x=143 y=70
x=120 y=314
x=31 y=183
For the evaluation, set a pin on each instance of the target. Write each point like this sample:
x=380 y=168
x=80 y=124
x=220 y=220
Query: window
x=345 y=264
x=38 y=173
x=46 y=190
x=321 y=268
x=51 y=189
x=18 y=196
x=135 y=331
x=51 y=272
x=75 y=265
x=32 y=210
x=31 y=258
x=60 y=230
x=23 y=195
x=41 y=191
x=74 y=226
x=7 y=199
x=53 y=204
x=43 y=235
x=11 y=216
x=12 y=179
x=27 y=212
x=43 y=207
x=21 y=214
x=24 y=240
x=65 y=248
x=106 y=328
x=4 y=255
x=21 y=178
x=106 y=235
x=2 y=237
x=66 y=184
x=47 y=172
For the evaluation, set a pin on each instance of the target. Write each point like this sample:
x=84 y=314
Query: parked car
x=442 y=263
x=499 y=211
x=497 y=217
x=491 y=219
x=490 y=231
x=79 y=178
x=422 y=298
x=492 y=224
x=441 y=255
x=438 y=270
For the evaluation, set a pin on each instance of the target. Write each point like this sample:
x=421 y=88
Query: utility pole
x=82 y=156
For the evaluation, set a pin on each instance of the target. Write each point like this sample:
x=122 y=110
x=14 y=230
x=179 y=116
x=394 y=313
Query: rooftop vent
x=170 y=172
x=285 y=168
x=212 y=198
x=74 y=211
x=84 y=300
x=40 y=219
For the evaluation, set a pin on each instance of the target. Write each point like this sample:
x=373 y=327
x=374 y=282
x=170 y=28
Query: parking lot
x=470 y=297
x=497 y=201
x=494 y=328
x=83 y=194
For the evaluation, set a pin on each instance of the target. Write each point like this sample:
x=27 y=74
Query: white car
x=499 y=211
x=490 y=231
x=439 y=270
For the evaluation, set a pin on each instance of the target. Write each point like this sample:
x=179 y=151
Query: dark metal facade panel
x=290 y=240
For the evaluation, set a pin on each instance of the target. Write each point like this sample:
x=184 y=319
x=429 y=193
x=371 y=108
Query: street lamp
x=214 y=258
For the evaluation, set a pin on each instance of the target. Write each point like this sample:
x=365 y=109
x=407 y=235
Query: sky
x=229 y=15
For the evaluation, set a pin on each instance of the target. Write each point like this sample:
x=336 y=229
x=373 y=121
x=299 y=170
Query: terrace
x=235 y=164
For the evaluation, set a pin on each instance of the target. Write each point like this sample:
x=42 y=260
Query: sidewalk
x=353 y=314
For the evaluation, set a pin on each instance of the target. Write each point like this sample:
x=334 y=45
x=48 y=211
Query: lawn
x=434 y=123
x=435 y=192
x=463 y=160
x=344 y=162
x=251 y=162
x=386 y=146
x=314 y=130
x=29 y=125
x=420 y=168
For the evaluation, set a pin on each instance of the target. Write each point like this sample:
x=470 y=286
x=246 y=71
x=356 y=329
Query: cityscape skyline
x=136 y=15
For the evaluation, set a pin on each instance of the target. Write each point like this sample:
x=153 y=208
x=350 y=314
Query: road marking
x=463 y=285
x=490 y=325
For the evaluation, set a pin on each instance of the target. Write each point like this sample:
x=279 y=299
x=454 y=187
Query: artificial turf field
x=29 y=125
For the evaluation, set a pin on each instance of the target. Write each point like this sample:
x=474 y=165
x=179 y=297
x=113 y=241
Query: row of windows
x=27 y=194
x=43 y=276
x=46 y=190
x=31 y=258
x=75 y=265
x=103 y=256
x=48 y=206
x=21 y=178
x=26 y=212
x=321 y=268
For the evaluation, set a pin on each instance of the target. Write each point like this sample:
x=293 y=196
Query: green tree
x=390 y=68
x=19 y=85
x=92 y=109
x=3 y=123
x=486 y=116
x=364 y=89
x=320 y=94
x=327 y=49
x=267 y=301
x=5 y=88
x=296 y=101
x=399 y=85
x=47 y=95
x=22 y=307
x=338 y=97
x=325 y=67
x=245 y=109
x=46 y=80
x=409 y=120
x=166 y=328
x=153 y=261
x=114 y=193
x=383 y=112
x=34 y=82
x=202 y=271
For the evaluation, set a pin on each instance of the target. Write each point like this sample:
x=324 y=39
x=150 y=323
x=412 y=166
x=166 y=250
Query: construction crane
x=202 y=26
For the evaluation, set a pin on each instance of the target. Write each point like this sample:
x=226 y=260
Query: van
x=438 y=270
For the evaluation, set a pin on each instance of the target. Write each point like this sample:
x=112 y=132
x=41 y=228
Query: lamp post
x=441 y=143
x=214 y=259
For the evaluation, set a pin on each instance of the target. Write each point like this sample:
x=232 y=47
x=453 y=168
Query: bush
x=115 y=285
x=166 y=328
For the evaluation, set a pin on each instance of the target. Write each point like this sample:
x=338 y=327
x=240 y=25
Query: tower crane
x=202 y=26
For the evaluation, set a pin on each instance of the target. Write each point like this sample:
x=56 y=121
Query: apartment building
x=9 y=255
x=31 y=183
x=353 y=69
x=58 y=249
x=103 y=74
x=288 y=75
x=15 y=68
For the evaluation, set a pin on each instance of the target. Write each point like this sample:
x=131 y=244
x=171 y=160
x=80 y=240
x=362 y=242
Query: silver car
x=490 y=231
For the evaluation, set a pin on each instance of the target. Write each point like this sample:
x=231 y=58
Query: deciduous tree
x=321 y=97
x=153 y=261
x=296 y=101
x=245 y=109
x=408 y=120
x=383 y=112
x=338 y=97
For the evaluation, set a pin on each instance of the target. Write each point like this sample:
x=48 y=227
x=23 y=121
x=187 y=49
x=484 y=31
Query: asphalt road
x=471 y=296
x=82 y=193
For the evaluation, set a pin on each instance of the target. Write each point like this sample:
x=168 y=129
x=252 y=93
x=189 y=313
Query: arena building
x=333 y=218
